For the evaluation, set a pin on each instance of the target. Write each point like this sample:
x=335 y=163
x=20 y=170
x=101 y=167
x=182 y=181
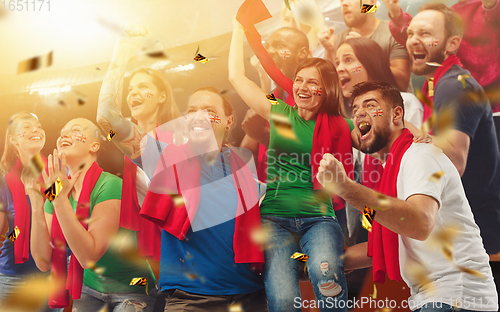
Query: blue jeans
x=93 y=300
x=320 y=238
x=440 y=307
x=9 y=283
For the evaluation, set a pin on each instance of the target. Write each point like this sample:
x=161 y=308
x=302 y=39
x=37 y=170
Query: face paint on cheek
x=80 y=137
x=377 y=112
x=21 y=134
x=285 y=53
x=316 y=91
x=214 y=118
x=356 y=68
x=434 y=42
x=148 y=94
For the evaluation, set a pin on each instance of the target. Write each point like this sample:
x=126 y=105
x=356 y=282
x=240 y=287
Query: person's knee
x=328 y=285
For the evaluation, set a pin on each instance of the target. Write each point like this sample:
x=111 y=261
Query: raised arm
x=109 y=117
x=399 y=21
x=249 y=92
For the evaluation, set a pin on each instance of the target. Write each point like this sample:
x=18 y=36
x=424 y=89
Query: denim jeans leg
x=90 y=301
x=281 y=278
x=132 y=302
x=323 y=241
x=436 y=307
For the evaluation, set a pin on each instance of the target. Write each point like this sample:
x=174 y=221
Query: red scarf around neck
x=21 y=212
x=445 y=66
x=148 y=233
x=332 y=133
x=73 y=278
x=179 y=172
x=383 y=244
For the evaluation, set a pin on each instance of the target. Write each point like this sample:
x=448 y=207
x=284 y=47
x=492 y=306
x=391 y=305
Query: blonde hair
x=308 y=13
x=10 y=153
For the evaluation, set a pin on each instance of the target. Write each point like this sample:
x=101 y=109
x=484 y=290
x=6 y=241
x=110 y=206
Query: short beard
x=380 y=141
x=436 y=57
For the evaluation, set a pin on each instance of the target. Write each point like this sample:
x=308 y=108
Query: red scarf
x=59 y=298
x=445 y=66
x=331 y=134
x=148 y=234
x=383 y=244
x=21 y=212
x=181 y=172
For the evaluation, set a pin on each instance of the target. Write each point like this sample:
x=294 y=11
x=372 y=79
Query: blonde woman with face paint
x=24 y=139
x=85 y=217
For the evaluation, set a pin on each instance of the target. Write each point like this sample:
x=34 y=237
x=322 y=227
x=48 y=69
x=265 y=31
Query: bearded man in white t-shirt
x=421 y=225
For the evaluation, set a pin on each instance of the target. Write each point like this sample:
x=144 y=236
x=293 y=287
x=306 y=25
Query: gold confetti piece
x=367 y=218
x=19 y=301
x=374 y=295
x=462 y=78
x=402 y=218
x=369 y=8
x=433 y=64
x=36 y=164
x=178 y=200
x=283 y=126
x=157 y=54
x=417 y=273
x=444 y=120
x=428 y=124
x=54 y=190
x=471 y=271
x=384 y=310
x=235 y=307
x=259 y=237
x=139 y=281
x=436 y=176
x=111 y=134
x=104 y=309
x=14 y=234
x=94 y=268
x=272 y=99
x=383 y=202
x=35 y=63
x=424 y=99
x=287 y=4
x=299 y=256
x=191 y=276
x=200 y=58
x=97 y=68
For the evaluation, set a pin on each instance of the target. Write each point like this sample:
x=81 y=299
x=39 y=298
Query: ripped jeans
x=93 y=301
x=320 y=238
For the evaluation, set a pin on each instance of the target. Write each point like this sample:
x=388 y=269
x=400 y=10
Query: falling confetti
x=383 y=202
x=374 y=295
x=14 y=234
x=272 y=99
x=436 y=176
x=367 y=218
x=287 y=3
x=423 y=98
x=177 y=199
x=19 y=301
x=235 y=307
x=139 y=281
x=417 y=273
x=94 y=268
x=111 y=134
x=299 y=256
x=35 y=63
x=369 y=8
x=36 y=164
x=191 y=276
x=54 y=190
x=462 y=78
x=433 y=64
x=200 y=58
x=283 y=126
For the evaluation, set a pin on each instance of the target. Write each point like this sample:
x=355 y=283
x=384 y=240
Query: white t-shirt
x=448 y=283
x=414 y=110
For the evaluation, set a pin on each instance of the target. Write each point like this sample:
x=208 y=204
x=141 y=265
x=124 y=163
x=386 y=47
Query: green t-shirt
x=290 y=190
x=118 y=272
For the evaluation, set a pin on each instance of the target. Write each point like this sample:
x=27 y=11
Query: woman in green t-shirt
x=297 y=216
x=102 y=254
